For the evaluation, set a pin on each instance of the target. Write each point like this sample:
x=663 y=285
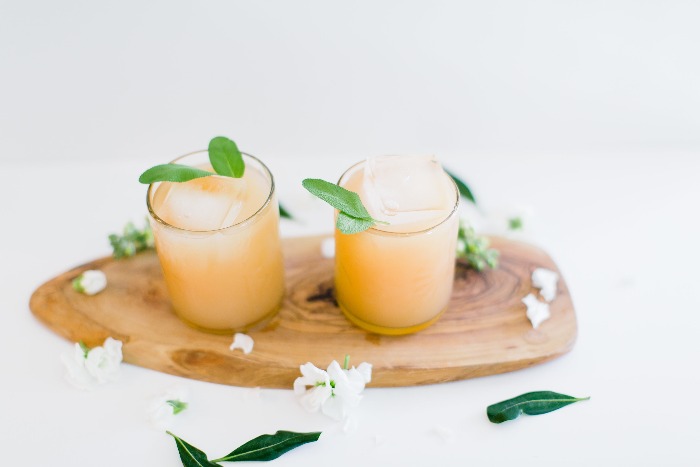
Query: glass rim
x=379 y=231
x=247 y=220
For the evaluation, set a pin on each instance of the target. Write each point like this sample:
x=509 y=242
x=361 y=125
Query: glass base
x=259 y=324
x=389 y=331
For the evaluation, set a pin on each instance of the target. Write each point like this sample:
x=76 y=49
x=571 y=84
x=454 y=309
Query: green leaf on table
x=225 y=157
x=177 y=405
x=464 y=190
x=531 y=403
x=190 y=455
x=172 y=173
x=131 y=241
x=269 y=447
x=352 y=214
x=284 y=213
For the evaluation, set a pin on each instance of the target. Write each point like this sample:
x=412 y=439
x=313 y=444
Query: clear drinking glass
x=229 y=276
x=394 y=280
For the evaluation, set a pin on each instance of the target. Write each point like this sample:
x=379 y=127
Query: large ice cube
x=407 y=189
x=206 y=203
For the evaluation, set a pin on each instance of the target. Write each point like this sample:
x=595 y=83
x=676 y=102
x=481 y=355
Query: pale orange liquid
x=228 y=279
x=394 y=282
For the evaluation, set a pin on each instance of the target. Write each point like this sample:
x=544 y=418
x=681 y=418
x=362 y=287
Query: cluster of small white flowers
x=89 y=367
x=165 y=407
x=90 y=282
x=335 y=391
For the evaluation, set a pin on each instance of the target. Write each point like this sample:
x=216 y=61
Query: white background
x=587 y=111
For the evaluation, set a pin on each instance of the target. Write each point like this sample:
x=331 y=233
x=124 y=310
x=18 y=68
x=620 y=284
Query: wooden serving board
x=484 y=331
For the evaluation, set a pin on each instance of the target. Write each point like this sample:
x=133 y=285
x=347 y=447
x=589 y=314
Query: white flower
x=546 y=281
x=87 y=368
x=243 y=342
x=335 y=391
x=90 y=282
x=164 y=408
x=537 y=311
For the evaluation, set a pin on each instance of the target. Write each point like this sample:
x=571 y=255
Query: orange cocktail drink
x=218 y=243
x=397 y=278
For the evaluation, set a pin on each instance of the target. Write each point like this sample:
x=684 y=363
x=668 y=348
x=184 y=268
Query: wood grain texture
x=484 y=331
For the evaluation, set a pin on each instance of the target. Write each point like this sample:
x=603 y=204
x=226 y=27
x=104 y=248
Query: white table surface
x=585 y=112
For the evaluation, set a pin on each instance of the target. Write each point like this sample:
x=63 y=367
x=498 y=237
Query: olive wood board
x=484 y=330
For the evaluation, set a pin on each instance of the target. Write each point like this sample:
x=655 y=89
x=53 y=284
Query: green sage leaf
x=343 y=200
x=351 y=225
x=190 y=455
x=284 y=213
x=172 y=173
x=225 y=157
x=531 y=403
x=268 y=447
x=462 y=187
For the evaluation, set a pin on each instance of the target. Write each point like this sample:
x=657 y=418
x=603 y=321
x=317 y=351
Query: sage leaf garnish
x=190 y=455
x=531 y=403
x=268 y=447
x=462 y=187
x=225 y=157
x=262 y=448
x=351 y=225
x=172 y=173
x=284 y=213
x=352 y=214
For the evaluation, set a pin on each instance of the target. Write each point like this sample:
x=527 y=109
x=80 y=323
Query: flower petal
x=537 y=311
x=546 y=281
x=243 y=342
x=76 y=374
x=315 y=397
x=365 y=370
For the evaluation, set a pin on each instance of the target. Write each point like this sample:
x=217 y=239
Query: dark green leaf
x=462 y=187
x=284 y=213
x=343 y=200
x=352 y=225
x=190 y=455
x=172 y=173
x=531 y=403
x=225 y=157
x=268 y=447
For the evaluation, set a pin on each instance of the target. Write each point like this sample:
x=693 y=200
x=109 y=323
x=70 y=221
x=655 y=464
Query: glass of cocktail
x=217 y=240
x=396 y=277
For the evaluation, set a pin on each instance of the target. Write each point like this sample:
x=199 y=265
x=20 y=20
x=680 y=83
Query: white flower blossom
x=90 y=282
x=335 y=391
x=537 y=311
x=243 y=342
x=87 y=368
x=546 y=281
x=164 y=408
